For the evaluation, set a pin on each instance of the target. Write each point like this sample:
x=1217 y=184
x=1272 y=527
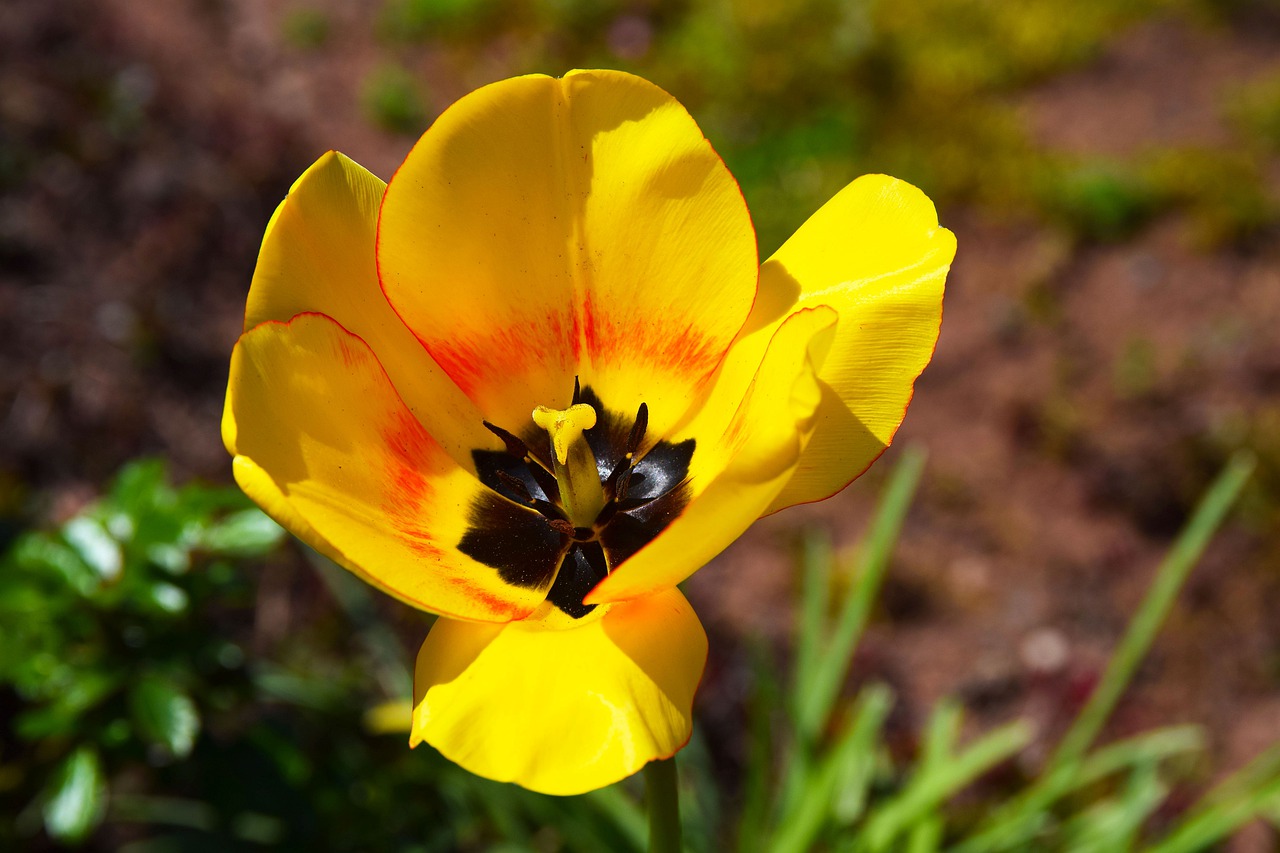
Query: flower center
x=596 y=497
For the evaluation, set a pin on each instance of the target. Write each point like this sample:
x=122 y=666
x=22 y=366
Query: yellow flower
x=538 y=380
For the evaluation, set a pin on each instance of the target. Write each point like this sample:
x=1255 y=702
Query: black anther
x=561 y=526
x=638 y=429
x=516 y=485
x=538 y=468
x=620 y=487
x=515 y=446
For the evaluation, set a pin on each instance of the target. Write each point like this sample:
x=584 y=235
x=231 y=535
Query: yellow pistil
x=575 y=464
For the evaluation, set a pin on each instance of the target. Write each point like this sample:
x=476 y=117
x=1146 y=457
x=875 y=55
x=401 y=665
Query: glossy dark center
x=521 y=528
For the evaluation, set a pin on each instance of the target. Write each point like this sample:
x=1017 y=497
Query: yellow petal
x=546 y=228
x=562 y=711
x=318 y=256
x=742 y=462
x=330 y=451
x=876 y=254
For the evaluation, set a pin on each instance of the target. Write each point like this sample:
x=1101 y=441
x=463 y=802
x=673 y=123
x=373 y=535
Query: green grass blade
x=1220 y=821
x=701 y=807
x=855 y=749
x=1113 y=825
x=816 y=559
x=1260 y=771
x=937 y=783
x=815 y=705
x=763 y=709
x=1019 y=820
x=941 y=734
x=1253 y=791
x=1148 y=747
x=926 y=836
x=1151 y=614
x=852 y=785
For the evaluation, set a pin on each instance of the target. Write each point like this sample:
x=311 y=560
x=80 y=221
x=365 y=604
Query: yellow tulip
x=540 y=378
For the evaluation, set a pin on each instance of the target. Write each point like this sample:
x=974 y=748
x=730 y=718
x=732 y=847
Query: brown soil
x=1078 y=403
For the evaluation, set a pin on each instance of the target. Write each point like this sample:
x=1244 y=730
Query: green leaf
x=42 y=556
x=1146 y=622
x=141 y=484
x=1021 y=817
x=823 y=687
x=825 y=660
x=817 y=560
x=249 y=533
x=164 y=715
x=937 y=780
x=174 y=558
x=1113 y=825
x=167 y=598
x=77 y=798
x=61 y=717
x=925 y=836
x=95 y=545
x=765 y=701
x=1252 y=791
x=843 y=774
x=1009 y=826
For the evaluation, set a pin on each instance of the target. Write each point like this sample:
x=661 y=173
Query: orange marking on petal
x=496 y=605
x=492 y=360
x=351 y=357
x=411 y=452
x=575 y=335
x=735 y=436
x=589 y=332
x=652 y=341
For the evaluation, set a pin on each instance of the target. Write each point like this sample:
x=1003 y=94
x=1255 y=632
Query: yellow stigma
x=565 y=427
x=575 y=464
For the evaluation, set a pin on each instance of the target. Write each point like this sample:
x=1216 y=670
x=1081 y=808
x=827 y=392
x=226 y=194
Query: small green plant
x=417 y=20
x=1255 y=111
x=1223 y=191
x=393 y=101
x=1099 y=201
x=135 y=707
x=841 y=791
x=139 y=708
x=109 y=632
x=307 y=29
x=1135 y=374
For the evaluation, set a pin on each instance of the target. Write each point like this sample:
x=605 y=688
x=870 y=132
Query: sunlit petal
x=324 y=443
x=562 y=711
x=548 y=228
x=318 y=256
x=876 y=254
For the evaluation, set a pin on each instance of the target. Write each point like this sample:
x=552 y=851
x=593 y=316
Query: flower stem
x=663 y=797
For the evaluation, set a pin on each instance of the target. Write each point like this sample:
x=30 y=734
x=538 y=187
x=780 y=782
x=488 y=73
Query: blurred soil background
x=1111 y=169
